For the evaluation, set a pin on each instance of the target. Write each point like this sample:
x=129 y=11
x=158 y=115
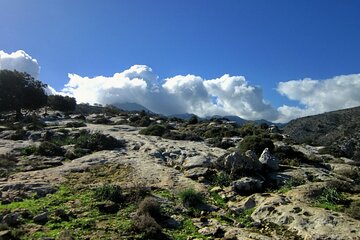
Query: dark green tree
x=61 y=103
x=18 y=90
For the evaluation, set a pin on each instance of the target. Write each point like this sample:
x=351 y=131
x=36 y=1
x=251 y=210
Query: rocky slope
x=338 y=130
x=60 y=181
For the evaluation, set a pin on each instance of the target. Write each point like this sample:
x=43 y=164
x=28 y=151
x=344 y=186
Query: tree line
x=20 y=91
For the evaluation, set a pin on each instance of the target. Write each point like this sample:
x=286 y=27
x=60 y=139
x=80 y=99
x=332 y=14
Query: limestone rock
x=247 y=184
x=196 y=161
x=269 y=161
x=235 y=163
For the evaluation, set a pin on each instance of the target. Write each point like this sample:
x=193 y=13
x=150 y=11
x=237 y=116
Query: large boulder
x=235 y=163
x=269 y=161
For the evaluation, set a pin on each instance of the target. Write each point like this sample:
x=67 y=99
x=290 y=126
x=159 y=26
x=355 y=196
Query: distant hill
x=338 y=130
x=130 y=107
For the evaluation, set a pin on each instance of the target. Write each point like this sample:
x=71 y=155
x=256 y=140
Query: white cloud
x=227 y=95
x=318 y=96
x=19 y=61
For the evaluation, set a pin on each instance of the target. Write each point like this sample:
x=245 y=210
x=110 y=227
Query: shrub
x=146 y=224
x=150 y=206
x=75 y=124
x=222 y=179
x=19 y=134
x=191 y=198
x=61 y=103
x=147 y=217
x=49 y=149
x=193 y=119
x=97 y=141
x=257 y=143
x=28 y=150
x=154 y=130
x=109 y=192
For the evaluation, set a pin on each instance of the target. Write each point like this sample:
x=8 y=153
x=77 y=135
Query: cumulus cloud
x=19 y=61
x=318 y=96
x=227 y=95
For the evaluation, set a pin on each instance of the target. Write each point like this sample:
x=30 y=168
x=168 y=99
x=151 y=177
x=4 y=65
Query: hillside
x=110 y=174
x=339 y=131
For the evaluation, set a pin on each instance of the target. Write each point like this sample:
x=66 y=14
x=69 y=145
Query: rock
x=12 y=219
x=269 y=161
x=41 y=218
x=156 y=154
x=235 y=163
x=247 y=184
x=65 y=235
x=196 y=161
x=108 y=207
x=61 y=214
x=196 y=172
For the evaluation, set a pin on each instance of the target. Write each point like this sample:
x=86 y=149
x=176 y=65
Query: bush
x=222 y=179
x=193 y=119
x=147 y=217
x=19 y=134
x=97 y=141
x=154 y=130
x=61 y=103
x=257 y=143
x=49 y=149
x=109 y=192
x=150 y=206
x=75 y=124
x=191 y=198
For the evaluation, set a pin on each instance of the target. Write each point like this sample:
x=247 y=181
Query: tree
x=193 y=119
x=61 y=103
x=18 y=90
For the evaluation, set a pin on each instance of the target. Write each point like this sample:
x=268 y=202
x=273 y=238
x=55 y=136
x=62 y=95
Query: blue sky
x=267 y=42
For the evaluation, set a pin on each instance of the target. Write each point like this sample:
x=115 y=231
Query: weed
x=191 y=198
x=290 y=184
x=109 y=192
x=222 y=179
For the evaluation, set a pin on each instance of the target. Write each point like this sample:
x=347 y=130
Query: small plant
x=28 y=150
x=109 y=192
x=329 y=198
x=222 y=179
x=290 y=184
x=245 y=217
x=191 y=198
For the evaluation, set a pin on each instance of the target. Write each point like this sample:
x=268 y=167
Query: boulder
x=11 y=219
x=196 y=161
x=41 y=218
x=269 y=161
x=247 y=184
x=235 y=163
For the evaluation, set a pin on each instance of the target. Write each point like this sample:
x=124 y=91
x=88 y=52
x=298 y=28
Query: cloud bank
x=19 y=61
x=318 y=96
x=226 y=95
